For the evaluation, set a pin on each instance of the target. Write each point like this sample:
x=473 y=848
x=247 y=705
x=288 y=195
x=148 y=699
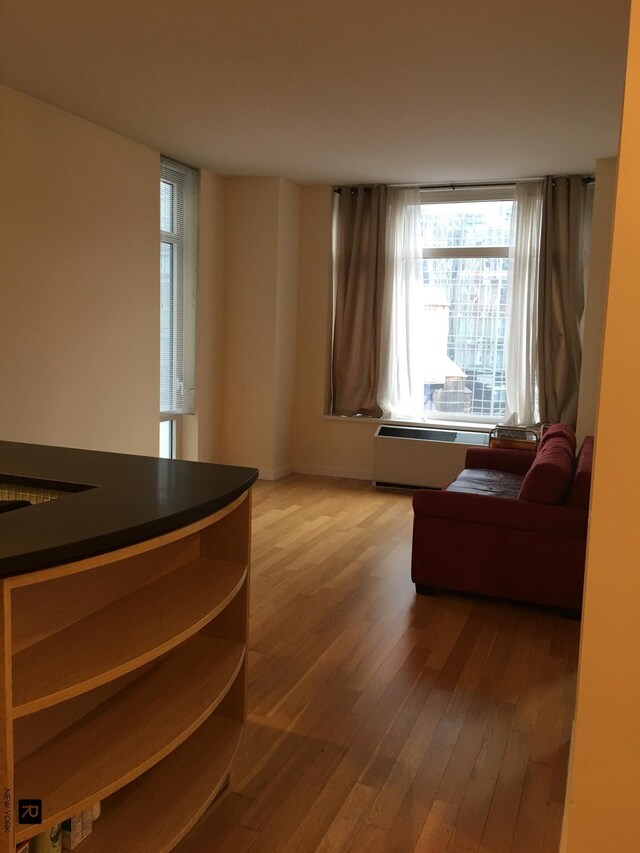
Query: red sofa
x=512 y=525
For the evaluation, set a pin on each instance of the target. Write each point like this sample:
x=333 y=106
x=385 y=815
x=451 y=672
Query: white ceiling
x=338 y=91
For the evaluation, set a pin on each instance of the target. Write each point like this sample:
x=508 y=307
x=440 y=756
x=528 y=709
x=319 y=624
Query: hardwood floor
x=383 y=721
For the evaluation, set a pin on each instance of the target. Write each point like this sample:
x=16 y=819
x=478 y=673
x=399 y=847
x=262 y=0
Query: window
x=168 y=438
x=465 y=240
x=178 y=206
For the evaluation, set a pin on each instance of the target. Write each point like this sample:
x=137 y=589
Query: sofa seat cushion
x=550 y=476
x=485 y=481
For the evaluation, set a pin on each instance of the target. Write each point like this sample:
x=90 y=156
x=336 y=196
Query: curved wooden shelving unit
x=157 y=810
x=123 y=634
x=116 y=640
x=130 y=732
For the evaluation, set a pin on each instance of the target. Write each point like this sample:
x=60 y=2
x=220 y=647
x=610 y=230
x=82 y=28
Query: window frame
x=175 y=436
x=177 y=380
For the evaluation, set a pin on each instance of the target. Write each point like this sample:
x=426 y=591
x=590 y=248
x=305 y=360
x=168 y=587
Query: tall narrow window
x=178 y=251
x=466 y=237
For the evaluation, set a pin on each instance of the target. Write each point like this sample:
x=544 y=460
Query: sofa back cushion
x=555 y=430
x=551 y=473
x=581 y=486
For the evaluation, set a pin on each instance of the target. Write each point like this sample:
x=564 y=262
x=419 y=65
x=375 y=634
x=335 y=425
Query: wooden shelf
x=124 y=635
x=159 y=808
x=130 y=732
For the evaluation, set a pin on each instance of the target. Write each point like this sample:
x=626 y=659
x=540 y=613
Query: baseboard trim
x=276 y=473
x=345 y=473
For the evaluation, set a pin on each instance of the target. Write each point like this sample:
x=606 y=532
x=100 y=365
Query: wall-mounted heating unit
x=421 y=456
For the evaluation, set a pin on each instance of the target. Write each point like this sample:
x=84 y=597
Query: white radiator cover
x=421 y=456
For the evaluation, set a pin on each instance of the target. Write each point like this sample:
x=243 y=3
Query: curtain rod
x=448 y=186
x=477 y=186
x=470 y=186
x=587 y=179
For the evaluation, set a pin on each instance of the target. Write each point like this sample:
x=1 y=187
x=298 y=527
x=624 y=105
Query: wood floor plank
x=258 y=743
x=413 y=758
x=473 y=811
x=547 y=731
x=438 y=829
x=553 y=831
x=296 y=801
x=515 y=670
x=392 y=744
x=239 y=839
x=370 y=839
x=408 y=806
x=330 y=717
x=311 y=830
x=218 y=822
x=380 y=721
x=345 y=825
x=268 y=790
x=531 y=825
x=503 y=811
x=466 y=751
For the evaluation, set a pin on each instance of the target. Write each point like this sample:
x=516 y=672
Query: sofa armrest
x=551 y=519
x=499 y=459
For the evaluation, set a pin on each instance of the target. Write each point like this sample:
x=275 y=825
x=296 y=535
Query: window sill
x=469 y=426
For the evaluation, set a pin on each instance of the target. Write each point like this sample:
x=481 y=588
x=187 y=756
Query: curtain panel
x=561 y=297
x=401 y=385
x=360 y=274
x=521 y=344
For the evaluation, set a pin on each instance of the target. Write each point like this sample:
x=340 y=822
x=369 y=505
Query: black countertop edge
x=39 y=483
x=134 y=498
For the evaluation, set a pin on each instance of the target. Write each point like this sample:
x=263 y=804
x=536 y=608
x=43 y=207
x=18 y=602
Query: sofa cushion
x=500 y=459
x=485 y=481
x=557 y=430
x=560 y=436
x=550 y=476
x=581 y=486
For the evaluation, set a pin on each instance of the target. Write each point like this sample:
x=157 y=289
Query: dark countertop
x=136 y=498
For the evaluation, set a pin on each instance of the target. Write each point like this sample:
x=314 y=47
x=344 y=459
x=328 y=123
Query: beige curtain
x=402 y=360
x=358 y=300
x=521 y=344
x=561 y=298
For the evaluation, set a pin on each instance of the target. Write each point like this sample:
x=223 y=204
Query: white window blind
x=178 y=254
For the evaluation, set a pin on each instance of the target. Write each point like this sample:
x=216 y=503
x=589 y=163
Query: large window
x=465 y=239
x=178 y=206
x=449 y=305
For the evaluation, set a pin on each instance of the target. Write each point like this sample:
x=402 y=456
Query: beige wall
x=201 y=437
x=79 y=267
x=602 y=812
x=249 y=322
x=259 y=323
x=321 y=445
x=286 y=321
x=599 y=261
